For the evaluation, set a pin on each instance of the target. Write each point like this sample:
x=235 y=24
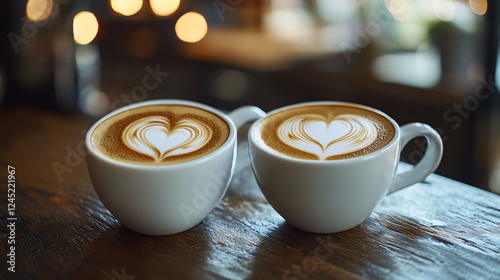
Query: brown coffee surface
x=324 y=132
x=160 y=134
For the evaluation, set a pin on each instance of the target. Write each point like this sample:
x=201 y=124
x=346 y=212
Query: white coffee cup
x=166 y=199
x=335 y=195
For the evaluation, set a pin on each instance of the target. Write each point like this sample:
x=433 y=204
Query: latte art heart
x=158 y=138
x=317 y=135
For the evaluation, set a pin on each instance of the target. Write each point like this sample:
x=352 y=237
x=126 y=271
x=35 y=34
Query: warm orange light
x=85 y=27
x=126 y=7
x=479 y=6
x=164 y=8
x=191 y=27
x=38 y=10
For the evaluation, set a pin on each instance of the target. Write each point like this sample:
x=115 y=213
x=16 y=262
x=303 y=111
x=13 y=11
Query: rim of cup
x=231 y=137
x=258 y=145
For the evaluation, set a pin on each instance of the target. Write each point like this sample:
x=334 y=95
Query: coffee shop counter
x=57 y=228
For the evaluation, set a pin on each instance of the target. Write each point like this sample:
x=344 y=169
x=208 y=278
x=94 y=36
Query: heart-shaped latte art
x=158 y=138
x=317 y=135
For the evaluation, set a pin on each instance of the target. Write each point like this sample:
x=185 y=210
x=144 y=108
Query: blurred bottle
x=37 y=60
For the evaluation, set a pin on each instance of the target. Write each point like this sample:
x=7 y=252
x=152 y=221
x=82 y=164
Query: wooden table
x=440 y=229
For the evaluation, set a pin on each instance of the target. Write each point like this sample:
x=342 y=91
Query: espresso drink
x=160 y=134
x=324 y=132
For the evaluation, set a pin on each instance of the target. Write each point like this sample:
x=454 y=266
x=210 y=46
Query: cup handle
x=427 y=164
x=245 y=114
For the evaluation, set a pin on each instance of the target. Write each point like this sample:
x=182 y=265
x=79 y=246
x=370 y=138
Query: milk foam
x=155 y=136
x=323 y=137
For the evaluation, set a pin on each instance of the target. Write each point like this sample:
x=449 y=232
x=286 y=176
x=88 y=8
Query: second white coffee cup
x=326 y=196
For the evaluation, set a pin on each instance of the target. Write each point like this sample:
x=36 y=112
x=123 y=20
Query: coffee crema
x=160 y=134
x=324 y=131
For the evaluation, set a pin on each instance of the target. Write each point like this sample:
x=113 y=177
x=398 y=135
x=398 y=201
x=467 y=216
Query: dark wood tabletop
x=59 y=229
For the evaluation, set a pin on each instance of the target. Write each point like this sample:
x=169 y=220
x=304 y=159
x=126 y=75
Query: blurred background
x=432 y=61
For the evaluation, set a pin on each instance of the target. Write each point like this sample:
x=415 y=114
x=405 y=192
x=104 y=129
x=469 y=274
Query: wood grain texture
x=440 y=229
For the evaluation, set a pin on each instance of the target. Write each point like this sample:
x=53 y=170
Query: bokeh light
x=479 y=6
x=164 y=8
x=85 y=27
x=191 y=27
x=126 y=7
x=38 y=10
x=400 y=9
